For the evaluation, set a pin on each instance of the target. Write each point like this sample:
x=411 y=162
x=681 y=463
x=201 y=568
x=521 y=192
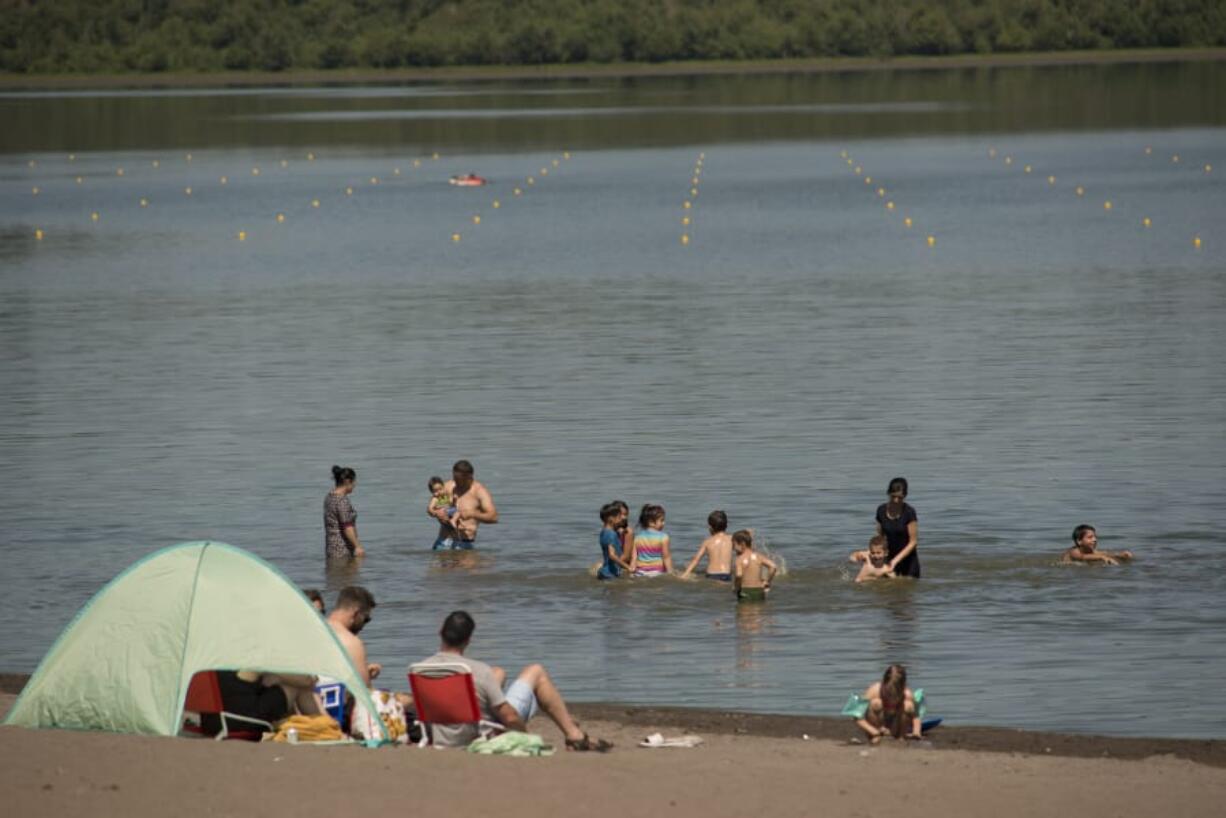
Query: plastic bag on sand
x=512 y=744
x=657 y=740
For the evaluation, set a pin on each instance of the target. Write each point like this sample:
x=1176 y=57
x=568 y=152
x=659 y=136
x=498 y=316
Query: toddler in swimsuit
x=442 y=499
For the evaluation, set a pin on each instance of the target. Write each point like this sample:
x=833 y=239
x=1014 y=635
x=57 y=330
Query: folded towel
x=521 y=745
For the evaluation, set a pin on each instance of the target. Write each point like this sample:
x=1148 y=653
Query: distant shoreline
x=711 y=721
x=569 y=71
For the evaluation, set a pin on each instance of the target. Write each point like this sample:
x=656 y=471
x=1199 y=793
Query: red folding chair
x=204 y=698
x=443 y=693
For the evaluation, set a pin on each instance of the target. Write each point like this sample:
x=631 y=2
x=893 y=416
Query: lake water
x=1048 y=361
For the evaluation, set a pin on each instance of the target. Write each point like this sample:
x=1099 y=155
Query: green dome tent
x=124 y=663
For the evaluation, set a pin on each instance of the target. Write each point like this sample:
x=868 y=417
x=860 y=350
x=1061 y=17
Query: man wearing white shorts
x=512 y=707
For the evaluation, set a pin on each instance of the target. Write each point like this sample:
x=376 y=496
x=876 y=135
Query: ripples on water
x=1047 y=363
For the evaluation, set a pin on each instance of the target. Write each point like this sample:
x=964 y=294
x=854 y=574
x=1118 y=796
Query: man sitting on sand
x=513 y=707
x=1085 y=549
x=473 y=505
x=717 y=548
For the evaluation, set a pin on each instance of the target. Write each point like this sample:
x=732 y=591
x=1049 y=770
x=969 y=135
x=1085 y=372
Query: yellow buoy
x=685 y=220
x=880 y=191
x=1107 y=205
x=859 y=170
x=285 y=163
x=434 y=156
x=31 y=163
x=1196 y=242
x=80 y=180
x=531 y=181
x=555 y=163
x=1027 y=169
x=686 y=205
x=144 y=202
x=310 y=157
x=119 y=171
x=1146 y=222
x=374 y=180
x=93 y=217
x=348 y=191
x=868 y=180
x=694 y=181
x=1148 y=150
x=907 y=221
x=544 y=171
x=850 y=163
x=693 y=191
x=702 y=156
x=685 y=239
x=188 y=157
x=315 y=203
x=843 y=154
x=1208 y=168
x=223 y=180
x=34 y=191
x=72 y=157
x=187 y=191
x=455 y=236
x=992 y=153
x=932 y=241
x=518 y=192
x=38 y=233
x=417 y=163
x=156 y=163
x=242 y=235
x=395 y=171
x=1008 y=160
x=497 y=204
x=1175 y=158
x=280 y=218
x=1081 y=191
x=565 y=155
x=476 y=220
x=1051 y=180
x=889 y=205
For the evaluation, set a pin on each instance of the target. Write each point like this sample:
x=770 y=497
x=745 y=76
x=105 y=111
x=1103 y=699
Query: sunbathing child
x=891 y=708
x=750 y=585
x=651 y=556
x=1085 y=549
x=717 y=548
x=876 y=560
x=611 y=561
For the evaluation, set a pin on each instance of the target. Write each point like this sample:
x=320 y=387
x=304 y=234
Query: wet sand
x=746 y=764
x=341 y=77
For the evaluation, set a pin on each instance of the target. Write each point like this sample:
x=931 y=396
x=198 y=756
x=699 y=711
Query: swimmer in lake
x=874 y=562
x=717 y=548
x=750 y=583
x=1085 y=548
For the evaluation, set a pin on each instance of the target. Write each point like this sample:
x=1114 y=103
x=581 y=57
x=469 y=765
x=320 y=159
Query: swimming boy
x=749 y=584
x=717 y=548
x=875 y=563
x=1085 y=548
x=611 y=562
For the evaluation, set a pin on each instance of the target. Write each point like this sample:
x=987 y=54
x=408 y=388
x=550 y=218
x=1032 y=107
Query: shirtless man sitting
x=350 y=614
x=473 y=506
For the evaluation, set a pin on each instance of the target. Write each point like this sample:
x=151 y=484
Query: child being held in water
x=441 y=499
x=717 y=548
x=1085 y=549
x=749 y=584
x=891 y=708
x=875 y=561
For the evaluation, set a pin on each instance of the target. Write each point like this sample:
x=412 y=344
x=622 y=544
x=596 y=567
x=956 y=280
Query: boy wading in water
x=875 y=561
x=717 y=548
x=750 y=585
x=1085 y=549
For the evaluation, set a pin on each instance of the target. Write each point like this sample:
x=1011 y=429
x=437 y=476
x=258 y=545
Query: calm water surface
x=1048 y=361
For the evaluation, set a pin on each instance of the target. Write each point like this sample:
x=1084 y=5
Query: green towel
x=512 y=744
x=857 y=706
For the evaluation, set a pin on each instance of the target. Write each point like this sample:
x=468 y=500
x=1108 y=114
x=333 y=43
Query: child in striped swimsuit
x=651 y=557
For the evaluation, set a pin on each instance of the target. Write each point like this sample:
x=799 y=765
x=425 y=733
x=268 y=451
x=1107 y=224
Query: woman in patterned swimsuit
x=340 y=520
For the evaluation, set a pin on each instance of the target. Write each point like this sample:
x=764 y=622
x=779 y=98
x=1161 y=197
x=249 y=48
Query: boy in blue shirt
x=611 y=562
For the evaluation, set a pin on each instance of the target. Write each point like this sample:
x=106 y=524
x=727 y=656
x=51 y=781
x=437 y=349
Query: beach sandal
x=588 y=745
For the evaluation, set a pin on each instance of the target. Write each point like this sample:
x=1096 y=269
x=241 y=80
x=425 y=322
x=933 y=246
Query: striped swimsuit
x=649 y=551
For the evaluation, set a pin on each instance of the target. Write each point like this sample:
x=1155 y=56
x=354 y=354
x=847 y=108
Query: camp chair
x=204 y=697
x=443 y=693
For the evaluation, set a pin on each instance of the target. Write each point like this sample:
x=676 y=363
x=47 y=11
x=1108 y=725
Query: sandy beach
x=746 y=764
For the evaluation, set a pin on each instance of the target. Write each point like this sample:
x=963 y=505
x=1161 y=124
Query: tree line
x=85 y=36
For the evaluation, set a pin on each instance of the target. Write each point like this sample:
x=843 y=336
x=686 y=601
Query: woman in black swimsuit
x=900 y=525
